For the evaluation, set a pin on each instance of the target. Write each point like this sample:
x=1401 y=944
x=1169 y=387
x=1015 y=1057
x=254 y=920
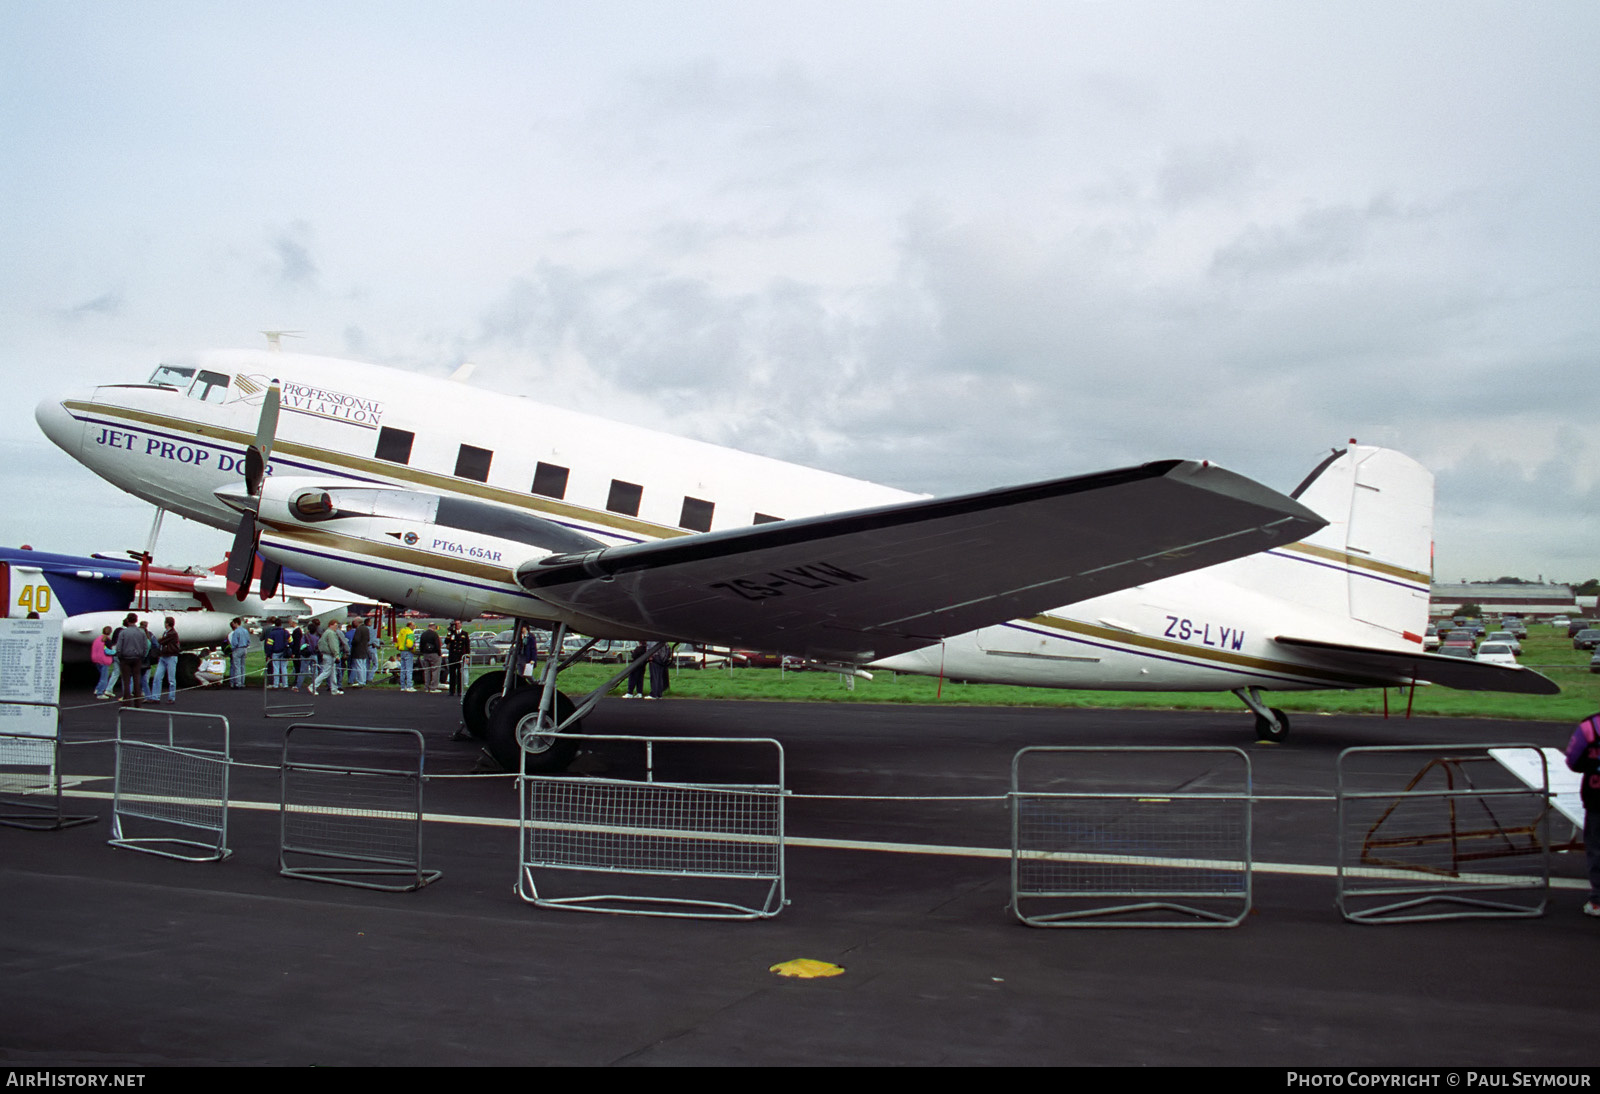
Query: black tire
x=188 y=666
x=547 y=754
x=1266 y=731
x=482 y=696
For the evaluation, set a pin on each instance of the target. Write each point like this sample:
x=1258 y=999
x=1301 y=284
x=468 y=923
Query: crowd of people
x=136 y=665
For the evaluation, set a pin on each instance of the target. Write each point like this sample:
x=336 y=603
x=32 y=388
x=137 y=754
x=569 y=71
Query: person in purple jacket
x=1583 y=756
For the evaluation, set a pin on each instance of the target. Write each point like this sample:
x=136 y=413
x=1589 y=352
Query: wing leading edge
x=870 y=583
x=1385 y=667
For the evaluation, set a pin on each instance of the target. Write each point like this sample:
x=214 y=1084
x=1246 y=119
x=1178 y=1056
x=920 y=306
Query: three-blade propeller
x=242 y=560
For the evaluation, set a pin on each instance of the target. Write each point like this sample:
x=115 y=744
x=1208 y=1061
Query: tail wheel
x=482 y=696
x=517 y=738
x=1273 y=729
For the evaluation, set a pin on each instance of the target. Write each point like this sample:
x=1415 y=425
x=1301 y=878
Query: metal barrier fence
x=171 y=774
x=30 y=774
x=351 y=806
x=1460 y=837
x=701 y=848
x=280 y=697
x=1131 y=853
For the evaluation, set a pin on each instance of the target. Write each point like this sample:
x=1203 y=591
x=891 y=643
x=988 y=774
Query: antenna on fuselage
x=273 y=337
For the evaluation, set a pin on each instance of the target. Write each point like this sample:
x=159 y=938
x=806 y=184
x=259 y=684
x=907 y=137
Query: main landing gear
x=526 y=725
x=1272 y=724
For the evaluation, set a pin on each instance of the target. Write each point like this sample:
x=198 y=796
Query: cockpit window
x=211 y=387
x=171 y=376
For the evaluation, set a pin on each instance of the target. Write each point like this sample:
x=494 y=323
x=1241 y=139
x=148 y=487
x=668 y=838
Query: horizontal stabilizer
x=856 y=586
x=1402 y=666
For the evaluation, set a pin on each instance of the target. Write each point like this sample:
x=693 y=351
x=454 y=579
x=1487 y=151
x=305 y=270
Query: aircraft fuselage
x=360 y=425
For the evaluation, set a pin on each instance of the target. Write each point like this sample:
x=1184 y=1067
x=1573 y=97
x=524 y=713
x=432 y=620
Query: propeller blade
x=257 y=455
x=255 y=470
x=271 y=574
x=242 y=559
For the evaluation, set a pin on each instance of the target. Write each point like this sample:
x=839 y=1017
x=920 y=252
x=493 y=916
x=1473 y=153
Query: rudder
x=1379 y=508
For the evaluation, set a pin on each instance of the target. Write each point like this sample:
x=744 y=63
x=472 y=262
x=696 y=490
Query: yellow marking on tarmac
x=807 y=968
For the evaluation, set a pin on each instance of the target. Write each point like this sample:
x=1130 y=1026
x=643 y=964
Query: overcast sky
x=940 y=245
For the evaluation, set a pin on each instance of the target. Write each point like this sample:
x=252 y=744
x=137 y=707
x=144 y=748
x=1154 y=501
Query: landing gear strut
x=1272 y=724
x=523 y=725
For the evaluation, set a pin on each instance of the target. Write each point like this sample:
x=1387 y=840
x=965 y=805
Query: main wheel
x=1266 y=731
x=482 y=696
x=515 y=731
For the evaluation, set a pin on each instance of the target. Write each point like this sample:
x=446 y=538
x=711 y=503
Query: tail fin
x=1374 y=561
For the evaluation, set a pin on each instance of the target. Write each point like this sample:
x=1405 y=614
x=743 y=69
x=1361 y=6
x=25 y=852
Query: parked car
x=1464 y=652
x=613 y=651
x=1508 y=638
x=1431 y=640
x=1460 y=639
x=1586 y=639
x=1496 y=653
x=1576 y=625
x=1516 y=626
x=691 y=656
x=487 y=648
x=758 y=659
x=1594 y=662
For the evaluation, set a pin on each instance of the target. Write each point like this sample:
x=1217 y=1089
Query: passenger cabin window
x=210 y=387
x=473 y=463
x=625 y=498
x=550 y=480
x=171 y=376
x=762 y=518
x=394 y=445
x=696 y=515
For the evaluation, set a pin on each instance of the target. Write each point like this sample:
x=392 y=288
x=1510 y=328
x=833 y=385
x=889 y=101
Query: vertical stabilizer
x=1374 y=560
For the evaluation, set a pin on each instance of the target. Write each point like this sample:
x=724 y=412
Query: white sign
x=30 y=672
x=1565 y=786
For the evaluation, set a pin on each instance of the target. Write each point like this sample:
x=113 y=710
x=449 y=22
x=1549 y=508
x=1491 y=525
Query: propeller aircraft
x=428 y=493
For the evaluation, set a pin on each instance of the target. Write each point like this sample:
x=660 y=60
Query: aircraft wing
x=1390 y=666
x=866 y=584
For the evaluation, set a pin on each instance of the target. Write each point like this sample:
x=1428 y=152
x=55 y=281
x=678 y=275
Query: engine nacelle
x=448 y=556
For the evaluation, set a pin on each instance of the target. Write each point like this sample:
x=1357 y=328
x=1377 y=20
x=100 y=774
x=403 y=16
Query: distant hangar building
x=1528 y=601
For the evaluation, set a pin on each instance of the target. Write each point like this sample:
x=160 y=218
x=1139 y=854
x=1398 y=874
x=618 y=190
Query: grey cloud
x=107 y=303
x=1318 y=238
x=1194 y=173
x=291 y=263
x=1489 y=506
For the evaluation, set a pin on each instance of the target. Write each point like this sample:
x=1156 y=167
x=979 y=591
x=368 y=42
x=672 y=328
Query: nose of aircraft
x=60 y=426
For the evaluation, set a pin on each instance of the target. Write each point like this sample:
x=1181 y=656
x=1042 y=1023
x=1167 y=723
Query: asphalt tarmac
x=111 y=957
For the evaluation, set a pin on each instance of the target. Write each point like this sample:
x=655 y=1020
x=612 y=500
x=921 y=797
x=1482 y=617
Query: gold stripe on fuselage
x=393 y=552
x=1358 y=562
x=1224 y=658
x=429 y=480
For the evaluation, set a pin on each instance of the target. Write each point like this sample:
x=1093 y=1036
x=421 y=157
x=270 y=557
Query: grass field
x=1546 y=650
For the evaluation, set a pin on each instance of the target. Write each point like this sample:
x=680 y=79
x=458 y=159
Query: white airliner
x=431 y=494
